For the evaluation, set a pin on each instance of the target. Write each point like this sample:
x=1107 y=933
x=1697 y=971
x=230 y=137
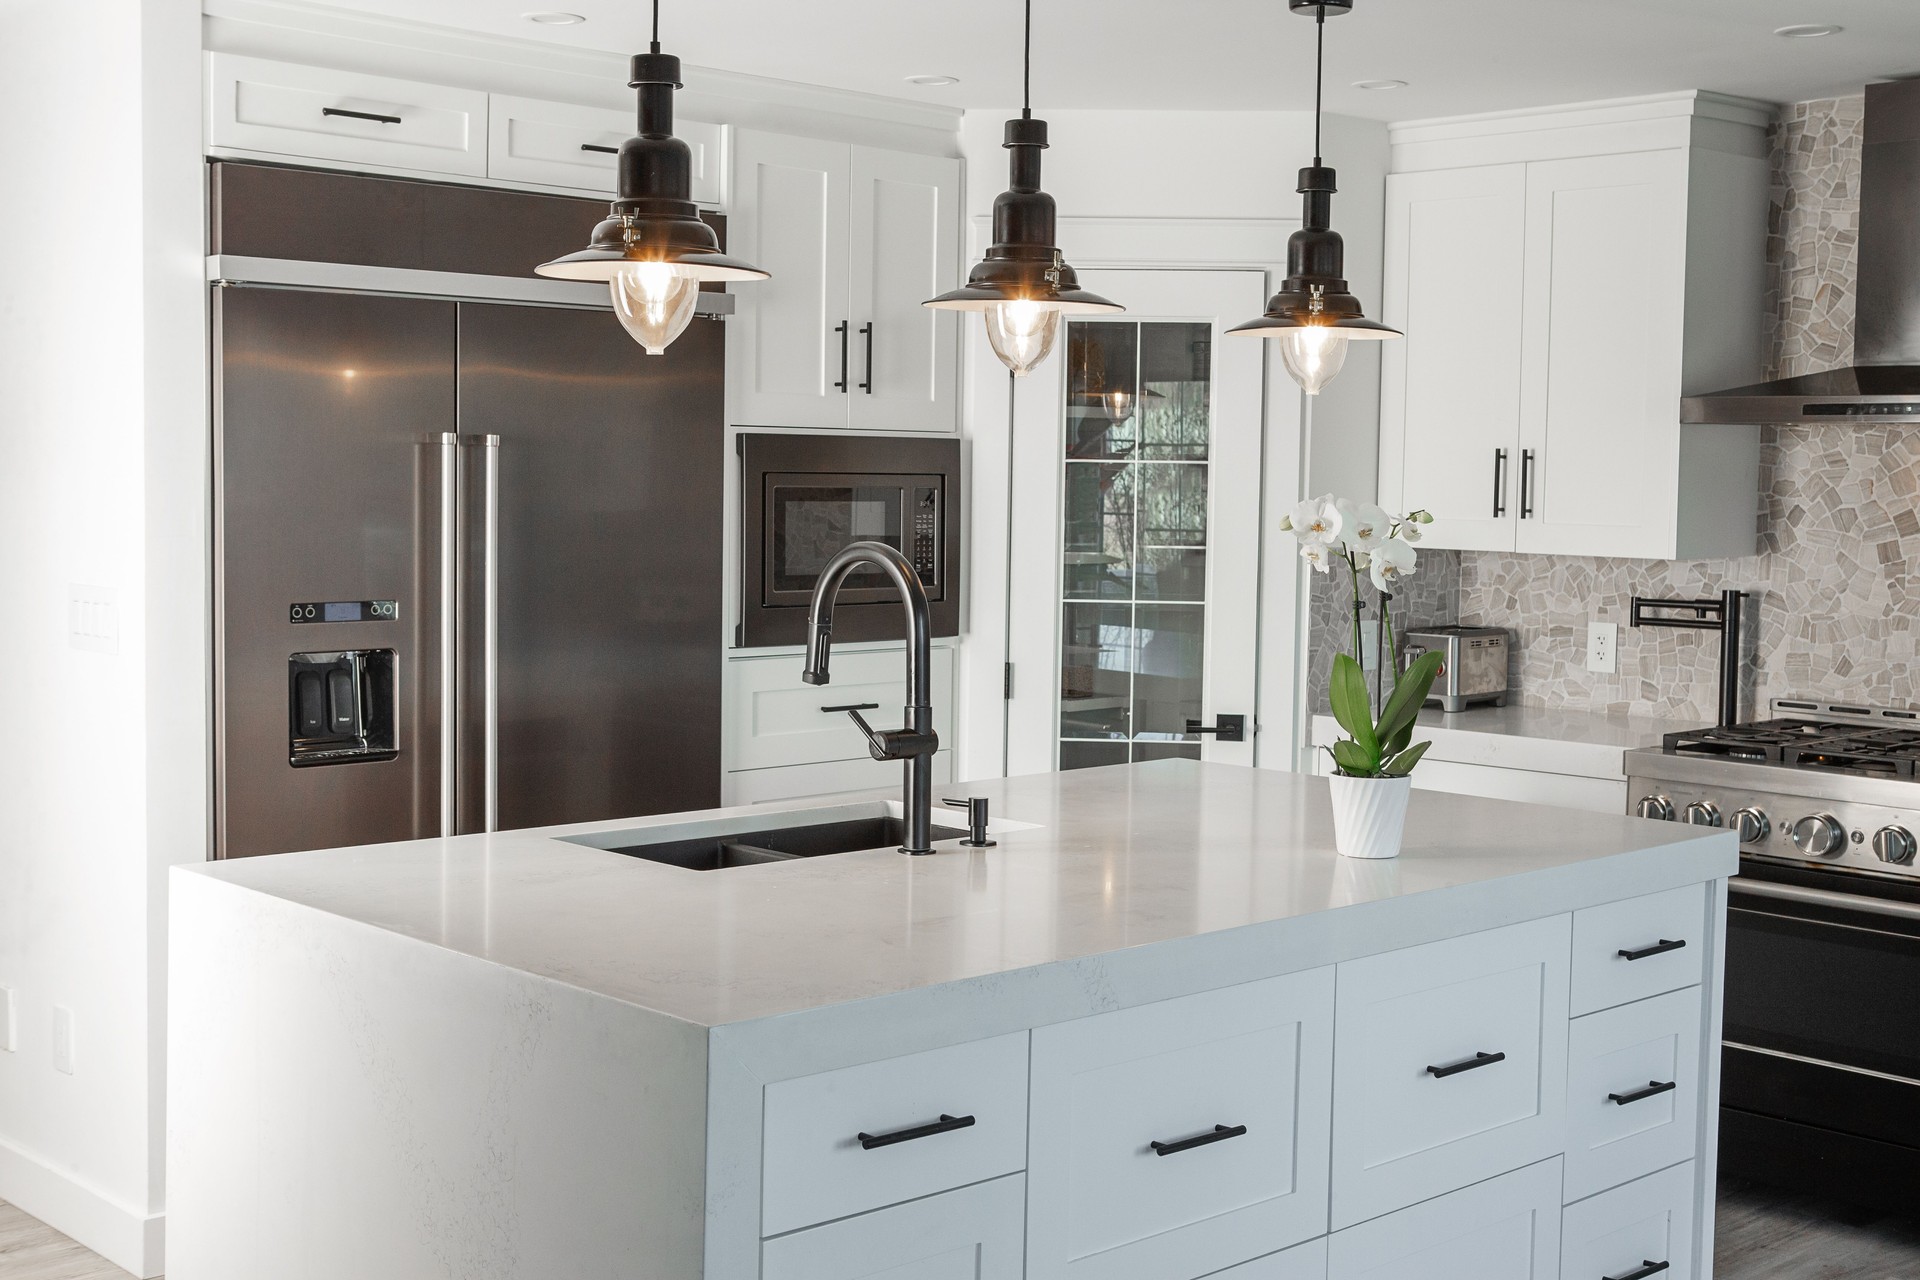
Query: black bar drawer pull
x=1653 y=1090
x=866 y=331
x=852 y=706
x=1499 y=483
x=842 y=329
x=1645 y=1269
x=1220 y=1133
x=374 y=116
x=945 y=1124
x=605 y=151
x=1526 y=484
x=1666 y=945
x=1466 y=1064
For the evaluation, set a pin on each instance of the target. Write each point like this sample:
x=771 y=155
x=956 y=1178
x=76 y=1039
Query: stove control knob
x=1819 y=835
x=1753 y=824
x=1659 y=808
x=1703 y=813
x=1894 y=845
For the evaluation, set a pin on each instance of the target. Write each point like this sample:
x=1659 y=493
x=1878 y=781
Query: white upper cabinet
x=856 y=238
x=1563 y=280
x=560 y=144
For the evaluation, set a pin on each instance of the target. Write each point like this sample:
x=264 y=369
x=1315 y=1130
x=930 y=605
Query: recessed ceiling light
x=1809 y=31
x=933 y=82
x=1379 y=84
x=556 y=19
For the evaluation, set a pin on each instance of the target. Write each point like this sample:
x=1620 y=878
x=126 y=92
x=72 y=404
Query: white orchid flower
x=1392 y=564
x=1407 y=532
x=1364 y=526
x=1316 y=521
x=1317 y=555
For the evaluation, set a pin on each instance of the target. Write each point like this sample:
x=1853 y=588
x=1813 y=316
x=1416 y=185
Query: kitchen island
x=1158 y=1030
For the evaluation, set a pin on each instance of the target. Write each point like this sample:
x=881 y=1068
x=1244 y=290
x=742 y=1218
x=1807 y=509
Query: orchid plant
x=1370 y=541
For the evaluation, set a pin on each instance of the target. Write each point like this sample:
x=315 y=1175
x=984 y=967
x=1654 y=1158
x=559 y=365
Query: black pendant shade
x=1315 y=290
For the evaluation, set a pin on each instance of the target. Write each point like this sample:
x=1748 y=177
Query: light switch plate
x=63 y=1040
x=1603 y=639
x=6 y=1020
x=93 y=618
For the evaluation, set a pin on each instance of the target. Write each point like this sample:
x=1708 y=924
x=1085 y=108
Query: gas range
x=1819 y=784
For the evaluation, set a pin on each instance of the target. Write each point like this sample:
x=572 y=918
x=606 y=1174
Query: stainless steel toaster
x=1473 y=664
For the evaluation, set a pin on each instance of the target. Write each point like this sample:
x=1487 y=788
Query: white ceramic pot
x=1369 y=815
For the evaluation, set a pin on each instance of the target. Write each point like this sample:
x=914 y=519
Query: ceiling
x=1457 y=56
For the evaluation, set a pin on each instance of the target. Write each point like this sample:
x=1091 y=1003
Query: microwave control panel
x=925 y=533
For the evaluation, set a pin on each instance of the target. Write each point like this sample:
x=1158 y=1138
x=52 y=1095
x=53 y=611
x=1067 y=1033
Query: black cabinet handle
x=851 y=706
x=1220 y=1133
x=842 y=329
x=1466 y=1064
x=1499 y=483
x=605 y=151
x=1666 y=945
x=1653 y=1090
x=1526 y=484
x=867 y=330
x=945 y=1124
x=1225 y=728
x=374 y=116
x=1645 y=1269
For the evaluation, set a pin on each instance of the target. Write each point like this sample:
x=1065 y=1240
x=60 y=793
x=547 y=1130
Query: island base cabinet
x=1624 y=1231
x=975 y=1233
x=1506 y=1228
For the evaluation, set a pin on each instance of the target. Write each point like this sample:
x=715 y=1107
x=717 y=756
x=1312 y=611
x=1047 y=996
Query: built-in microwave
x=804 y=497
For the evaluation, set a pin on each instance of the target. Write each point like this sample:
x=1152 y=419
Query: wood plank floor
x=31 y=1250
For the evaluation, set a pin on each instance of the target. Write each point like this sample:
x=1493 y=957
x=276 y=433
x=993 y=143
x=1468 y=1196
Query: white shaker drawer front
x=1178 y=1138
x=778 y=719
x=1507 y=1228
x=1633 y=1091
x=1630 y=950
x=1632 y=1230
x=1452 y=1065
x=559 y=144
x=294 y=110
x=846 y=1141
x=970 y=1234
x=829 y=778
x=1302 y=1262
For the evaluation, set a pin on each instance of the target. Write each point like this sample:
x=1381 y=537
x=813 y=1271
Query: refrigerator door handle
x=490 y=659
x=450 y=524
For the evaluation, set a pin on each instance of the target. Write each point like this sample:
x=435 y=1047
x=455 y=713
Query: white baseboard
x=130 y=1240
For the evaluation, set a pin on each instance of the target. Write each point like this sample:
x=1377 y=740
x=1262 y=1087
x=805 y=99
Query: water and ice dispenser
x=340 y=703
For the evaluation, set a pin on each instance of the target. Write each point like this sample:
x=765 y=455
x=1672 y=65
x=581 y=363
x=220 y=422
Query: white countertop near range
x=1542 y=739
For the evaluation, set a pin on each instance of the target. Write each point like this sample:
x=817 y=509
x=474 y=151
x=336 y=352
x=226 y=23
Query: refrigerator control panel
x=344 y=611
x=924 y=550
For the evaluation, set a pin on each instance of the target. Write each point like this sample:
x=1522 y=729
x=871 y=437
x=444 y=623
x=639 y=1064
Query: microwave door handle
x=490 y=635
x=449 y=631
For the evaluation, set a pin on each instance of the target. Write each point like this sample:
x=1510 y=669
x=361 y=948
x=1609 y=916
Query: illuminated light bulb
x=1313 y=354
x=654 y=301
x=1119 y=405
x=1022 y=332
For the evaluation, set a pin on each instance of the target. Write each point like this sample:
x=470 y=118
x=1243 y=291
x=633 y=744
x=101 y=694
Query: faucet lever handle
x=976 y=807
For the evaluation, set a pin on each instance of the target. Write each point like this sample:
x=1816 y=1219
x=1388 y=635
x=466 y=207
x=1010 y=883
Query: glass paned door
x=1133 y=573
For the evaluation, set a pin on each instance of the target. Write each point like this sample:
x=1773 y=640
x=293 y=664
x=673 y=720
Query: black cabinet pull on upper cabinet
x=594 y=146
x=867 y=331
x=1653 y=1090
x=1220 y=1133
x=1645 y=1269
x=1665 y=945
x=1526 y=484
x=374 y=116
x=1499 y=483
x=1466 y=1064
x=843 y=329
x=945 y=1124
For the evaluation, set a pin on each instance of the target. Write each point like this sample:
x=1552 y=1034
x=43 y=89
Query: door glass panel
x=1134 y=540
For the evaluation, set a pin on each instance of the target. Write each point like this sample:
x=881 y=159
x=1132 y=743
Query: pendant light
x=1314 y=317
x=1023 y=285
x=653 y=250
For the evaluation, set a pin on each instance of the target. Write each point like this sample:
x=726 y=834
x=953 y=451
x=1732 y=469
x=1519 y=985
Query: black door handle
x=851 y=706
x=1645 y=1269
x=1665 y=945
x=1526 y=484
x=867 y=329
x=1499 y=483
x=842 y=329
x=1653 y=1090
x=1224 y=728
x=1477 y=1061
x=945 y=1124
x=374 y=116
x=594 y=146
x=1220 y=1133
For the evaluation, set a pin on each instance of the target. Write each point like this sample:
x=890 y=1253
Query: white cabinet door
x=790 y=343
x=970 y=1234
x=1450 y=392
x=1633 y=1228
x=1181 y=1137
x=1633 y=1091
x=1302 y=1262
x=905 y=248
x=1605 y=301
x=1629 y=950
x=1507 y=1228
x=561 y=144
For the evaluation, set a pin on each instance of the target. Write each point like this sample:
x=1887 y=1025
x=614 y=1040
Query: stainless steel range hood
x=1883 y=384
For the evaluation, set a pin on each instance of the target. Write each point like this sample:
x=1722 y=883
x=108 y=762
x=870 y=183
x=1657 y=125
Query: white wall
x=102 y=483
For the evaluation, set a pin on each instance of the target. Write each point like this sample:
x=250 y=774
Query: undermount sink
x=747 y=842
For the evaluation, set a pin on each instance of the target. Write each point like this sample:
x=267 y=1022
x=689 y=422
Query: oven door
x=811 y=516
x=1821 y=1069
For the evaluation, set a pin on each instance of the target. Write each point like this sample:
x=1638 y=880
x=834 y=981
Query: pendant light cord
x=656 y=26
x=1026 y=77
x=1319 y=71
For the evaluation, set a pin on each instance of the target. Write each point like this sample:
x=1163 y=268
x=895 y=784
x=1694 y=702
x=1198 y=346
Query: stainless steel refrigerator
x=468 y=568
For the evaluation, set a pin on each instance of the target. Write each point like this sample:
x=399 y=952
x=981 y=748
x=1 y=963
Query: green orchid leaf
x=1353 y=761
x=1348 y=693
x=1402 y=765
x=1409 y=694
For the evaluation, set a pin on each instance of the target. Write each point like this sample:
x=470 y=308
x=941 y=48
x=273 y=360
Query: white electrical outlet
x=93 y=619
x=6 y=1019
x=1603 y=639
x=63 y=1040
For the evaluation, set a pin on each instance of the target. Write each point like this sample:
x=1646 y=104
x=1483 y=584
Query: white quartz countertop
x=1547 y=739
x=1114 y=859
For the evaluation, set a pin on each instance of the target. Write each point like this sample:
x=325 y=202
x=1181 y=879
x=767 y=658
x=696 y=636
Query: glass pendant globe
x=654 y=301
x=1021 y=332
x=1313 y=354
